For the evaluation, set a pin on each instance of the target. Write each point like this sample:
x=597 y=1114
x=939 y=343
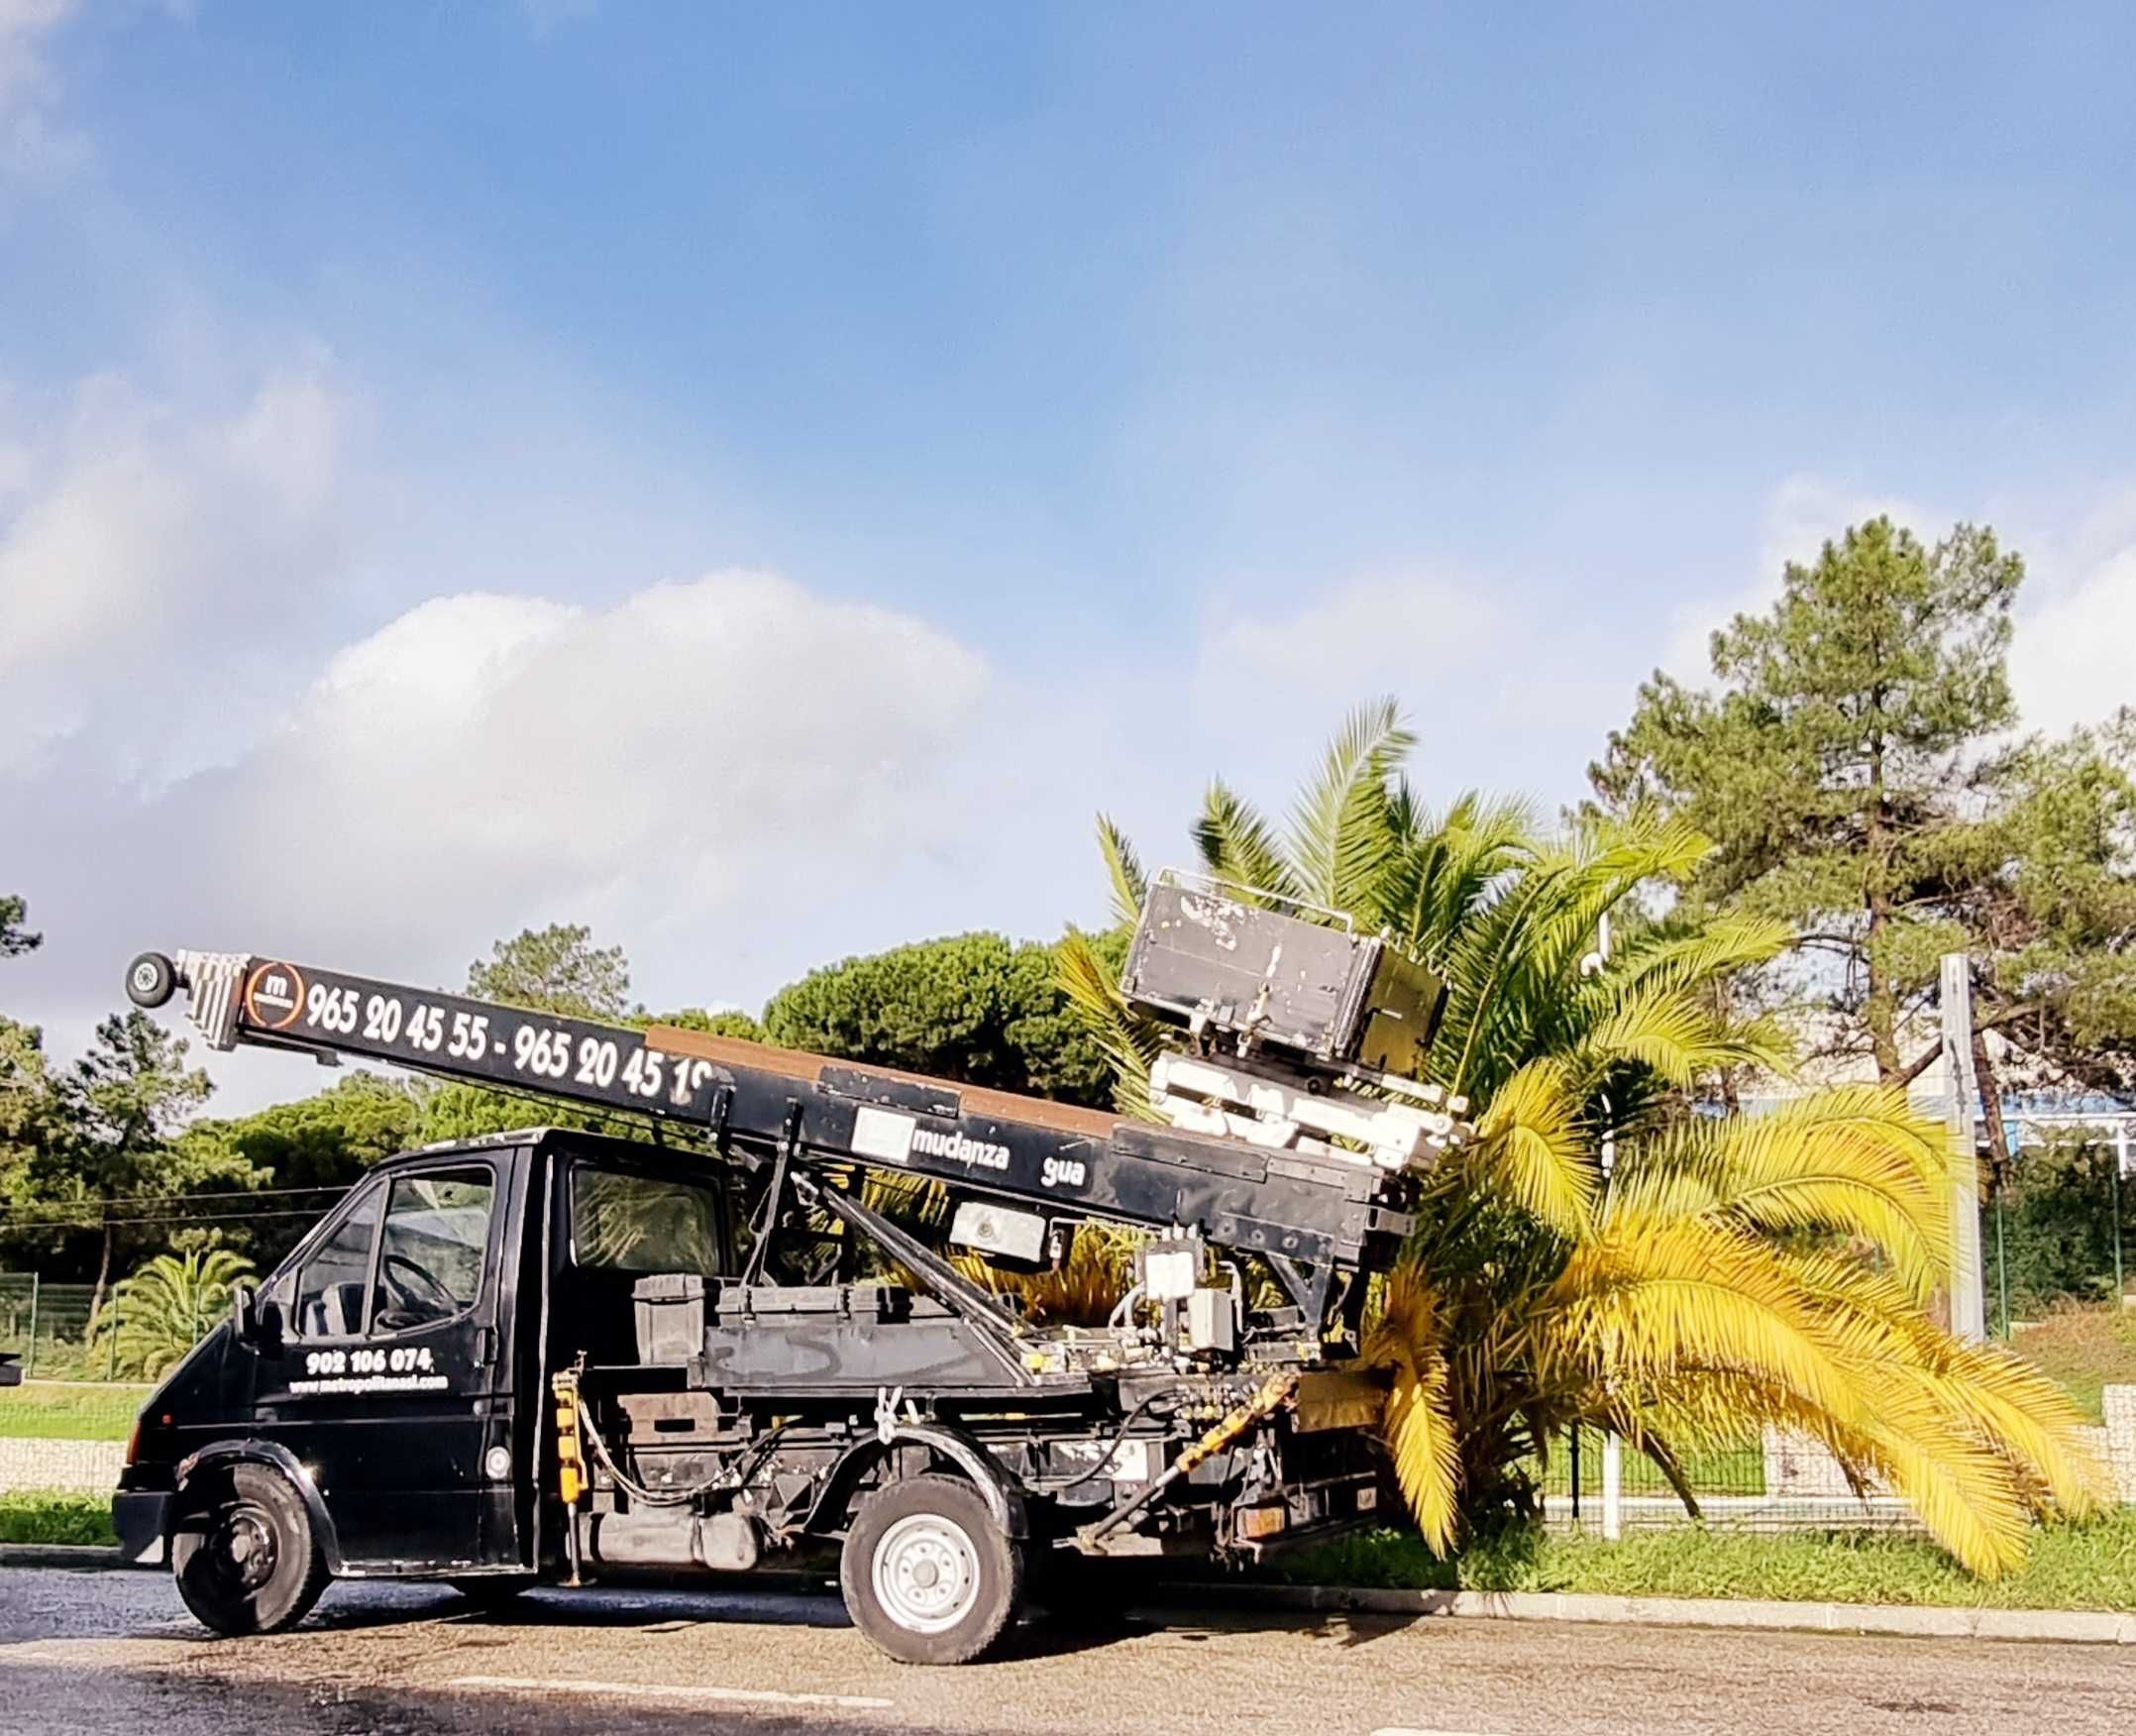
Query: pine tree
x=1828 y=769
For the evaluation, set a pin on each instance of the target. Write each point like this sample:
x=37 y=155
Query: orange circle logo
x=275 y=996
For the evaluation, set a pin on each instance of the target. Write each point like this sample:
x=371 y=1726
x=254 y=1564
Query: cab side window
x=417 y=1263
x=432 y=1249
x=334 y=1283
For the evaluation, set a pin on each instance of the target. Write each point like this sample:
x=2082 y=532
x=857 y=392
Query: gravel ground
x=112 y=1651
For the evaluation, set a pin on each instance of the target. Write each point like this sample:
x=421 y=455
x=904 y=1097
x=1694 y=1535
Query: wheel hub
x=245 y=1548
x=927 y=1573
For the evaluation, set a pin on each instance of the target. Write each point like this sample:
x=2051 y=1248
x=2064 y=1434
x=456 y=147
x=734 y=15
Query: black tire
x=927 y=1575
x=243 y=1554
x=151 y=980
x=493 y=1591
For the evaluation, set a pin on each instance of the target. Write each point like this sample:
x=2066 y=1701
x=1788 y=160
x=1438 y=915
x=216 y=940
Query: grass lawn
x=35 y=1516
x=2072 y=1567
x=2084 y=1348
x=55 y=1410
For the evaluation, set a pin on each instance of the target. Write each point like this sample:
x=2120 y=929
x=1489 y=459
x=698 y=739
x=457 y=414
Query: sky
x=758 y=480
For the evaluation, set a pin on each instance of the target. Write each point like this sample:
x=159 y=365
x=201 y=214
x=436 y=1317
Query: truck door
x=393 y=1381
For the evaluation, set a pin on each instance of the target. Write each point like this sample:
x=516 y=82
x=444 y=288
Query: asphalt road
x=116 y=1651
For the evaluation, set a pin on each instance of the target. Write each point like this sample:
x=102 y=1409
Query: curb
x=88 y=1556
x=1916 y=1621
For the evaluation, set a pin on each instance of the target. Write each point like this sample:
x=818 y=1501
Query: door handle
x=486 y=1343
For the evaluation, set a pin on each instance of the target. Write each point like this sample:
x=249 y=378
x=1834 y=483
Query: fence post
x=2003 y=1270
x=1612 y=1446
x=1575 y=1473
x=1968 y=1309
x=2120 y=1162
x=111 y=1366
x=29 y=1363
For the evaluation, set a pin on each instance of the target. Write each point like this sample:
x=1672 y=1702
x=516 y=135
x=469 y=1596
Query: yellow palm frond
x=1665 y=1028
x=1645 y=1299
x=1704 y=951
x=1957 y=1488
x=1530 y=1151
x=1419 y=1425
x=1985 y=1391
x=1857 y=1160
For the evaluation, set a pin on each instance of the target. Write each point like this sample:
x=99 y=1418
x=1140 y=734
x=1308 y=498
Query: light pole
x=1612 y=1442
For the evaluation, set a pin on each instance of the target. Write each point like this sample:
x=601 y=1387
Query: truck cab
x=392 y=1371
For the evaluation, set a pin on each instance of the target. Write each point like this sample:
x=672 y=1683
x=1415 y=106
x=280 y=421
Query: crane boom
x=1309 y=1216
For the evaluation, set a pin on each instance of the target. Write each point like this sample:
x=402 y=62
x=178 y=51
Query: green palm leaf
x=1131 y=886
x=1131 y=1043
x=1345 y=829
x=1236 y=846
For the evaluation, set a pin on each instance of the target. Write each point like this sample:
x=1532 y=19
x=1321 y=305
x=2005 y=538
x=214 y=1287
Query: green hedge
x=40 y=1516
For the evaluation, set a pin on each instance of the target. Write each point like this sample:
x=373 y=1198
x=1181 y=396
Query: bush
x=48 y=1516
x=2056 y=1223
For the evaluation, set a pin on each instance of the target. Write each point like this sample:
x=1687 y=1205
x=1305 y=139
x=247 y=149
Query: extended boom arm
x=1309 y=1217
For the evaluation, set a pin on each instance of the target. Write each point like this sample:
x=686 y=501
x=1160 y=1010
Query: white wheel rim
x=927 y=1573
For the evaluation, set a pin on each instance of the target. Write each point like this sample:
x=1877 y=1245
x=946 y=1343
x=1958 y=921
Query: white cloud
x=1800 y=516
x=2073 y=648
x=143 y=554
x=2074 y=660
x=1501 y=694
x=1381 y=628
x=699 y=769
x=650 y=763
x=33 y=144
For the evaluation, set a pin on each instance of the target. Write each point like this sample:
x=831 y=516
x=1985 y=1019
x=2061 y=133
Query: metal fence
x=1767 y=1480
x=48 y=1325
x=2058 y=1231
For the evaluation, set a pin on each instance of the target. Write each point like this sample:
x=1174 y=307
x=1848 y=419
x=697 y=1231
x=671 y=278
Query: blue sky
x=759 y=478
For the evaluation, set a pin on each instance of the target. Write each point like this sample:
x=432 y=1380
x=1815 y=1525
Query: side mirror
x=255 y=1320
x=267 y=1326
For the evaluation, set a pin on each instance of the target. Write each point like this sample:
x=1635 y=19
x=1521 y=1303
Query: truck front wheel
x=927 y=1575
x=242 y=1551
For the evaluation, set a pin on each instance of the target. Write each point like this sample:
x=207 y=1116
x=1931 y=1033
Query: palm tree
x=164 y=1308
x=1722 y=1273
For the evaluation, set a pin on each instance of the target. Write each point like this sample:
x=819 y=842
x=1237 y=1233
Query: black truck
x=539 y=1355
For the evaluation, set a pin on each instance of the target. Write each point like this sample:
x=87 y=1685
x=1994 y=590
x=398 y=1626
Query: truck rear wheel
x=927 y=1575
x=244 y=1554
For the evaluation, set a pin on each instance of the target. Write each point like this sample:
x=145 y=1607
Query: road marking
x=654 y=1691
x=1407 y=1730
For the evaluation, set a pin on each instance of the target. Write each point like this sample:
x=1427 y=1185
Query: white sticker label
x=883 y=1133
